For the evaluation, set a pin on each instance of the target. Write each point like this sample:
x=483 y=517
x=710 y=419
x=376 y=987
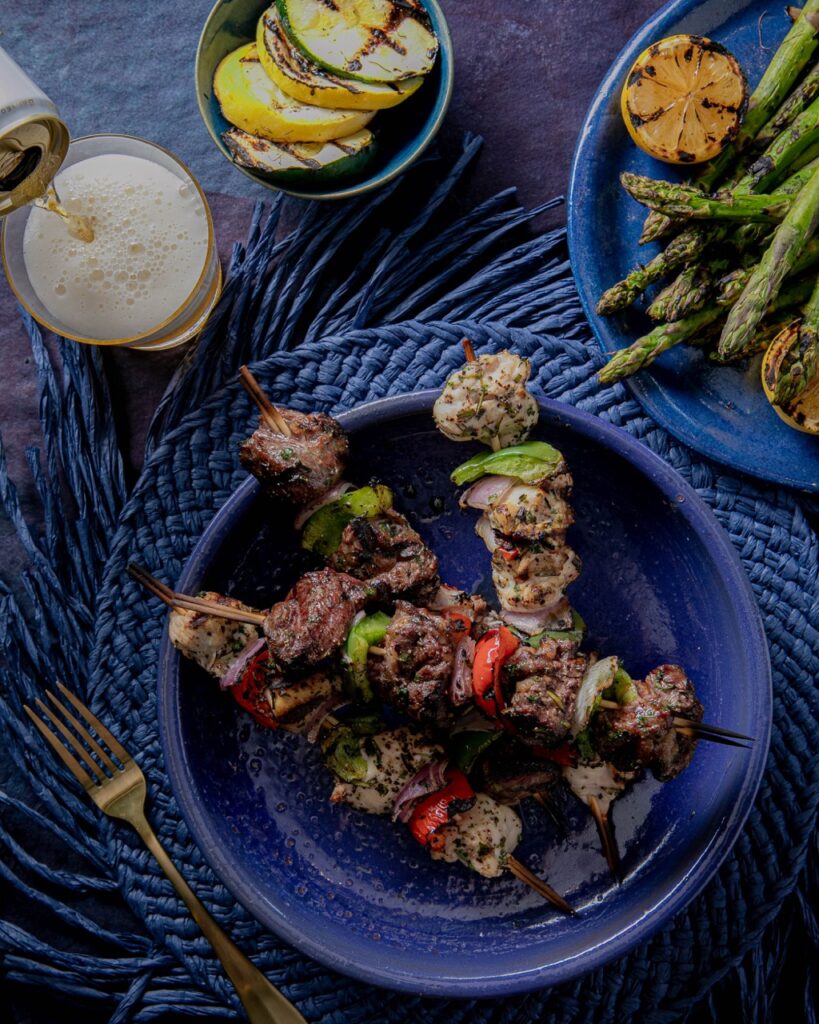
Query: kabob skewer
x=301 y=459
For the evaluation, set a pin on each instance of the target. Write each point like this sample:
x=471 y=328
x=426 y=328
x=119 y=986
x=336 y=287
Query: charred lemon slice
x=684 y=99
x=253 y=102
x=793 y=355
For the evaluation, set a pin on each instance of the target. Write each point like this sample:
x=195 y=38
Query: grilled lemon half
x=253 y=102
x=684 y=99
x=803 y=412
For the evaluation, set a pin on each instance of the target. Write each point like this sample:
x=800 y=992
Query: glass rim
x=143 y=335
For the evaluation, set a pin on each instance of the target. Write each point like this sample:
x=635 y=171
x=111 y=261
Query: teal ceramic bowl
x=402 y=133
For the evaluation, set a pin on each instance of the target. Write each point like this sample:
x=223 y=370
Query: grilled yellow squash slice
x=369 y=40
x=296 y=75
x=250 y=100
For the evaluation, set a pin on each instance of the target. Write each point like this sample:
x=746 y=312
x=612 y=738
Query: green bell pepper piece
x=575 y=634
x=585 y=750
x=323 y=530
x=530 y=462
x=466 y=747
x=366 y=632
x=623 y=691
x=344 y=756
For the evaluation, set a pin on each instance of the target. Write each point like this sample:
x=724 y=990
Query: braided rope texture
x=425 y=285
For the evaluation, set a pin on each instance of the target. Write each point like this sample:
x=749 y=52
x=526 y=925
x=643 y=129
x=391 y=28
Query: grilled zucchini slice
x=301 y=161
x=253 y=102
x=298 y=77
x=369 y=40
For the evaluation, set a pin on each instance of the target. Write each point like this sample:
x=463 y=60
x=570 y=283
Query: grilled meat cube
x=642 y=735
x=389 y=554
x=529 y=513
x=541 y=685
x=415 y=672
x=392 y=759
x=299 y=468
x=482 y=838
x=509 y=773
x=208 y=640
x=312 y=622
x=536 y=577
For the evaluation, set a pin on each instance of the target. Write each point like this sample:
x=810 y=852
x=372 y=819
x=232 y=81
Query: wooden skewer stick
x=607 y=840
x=379 y=652
x=195 y=604
x=541 y=888
x=469 y=352
x=703 y=730
x=269 y=413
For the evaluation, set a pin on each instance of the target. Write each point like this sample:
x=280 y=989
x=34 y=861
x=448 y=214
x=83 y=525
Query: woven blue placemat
x=425 y=285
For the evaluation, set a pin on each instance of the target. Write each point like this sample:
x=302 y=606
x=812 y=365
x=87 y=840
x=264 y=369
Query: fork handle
x=262 y=1001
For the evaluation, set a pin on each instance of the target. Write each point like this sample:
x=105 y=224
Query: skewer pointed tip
x=607 y=840
x=521 y=872
x=469 y=351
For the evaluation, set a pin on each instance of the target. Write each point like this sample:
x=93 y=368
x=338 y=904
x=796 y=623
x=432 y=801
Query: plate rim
x=652 y=401
x=700 y=518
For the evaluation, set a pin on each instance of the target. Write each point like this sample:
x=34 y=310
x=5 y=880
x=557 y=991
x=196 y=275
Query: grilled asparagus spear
x=779 y=259
x=645 y=350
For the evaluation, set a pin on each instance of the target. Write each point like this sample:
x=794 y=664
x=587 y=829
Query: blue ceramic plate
x=402 y=133
x=660 y=582
x=719 y=411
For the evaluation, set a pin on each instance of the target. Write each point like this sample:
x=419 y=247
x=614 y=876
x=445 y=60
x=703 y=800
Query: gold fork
x=119 y=791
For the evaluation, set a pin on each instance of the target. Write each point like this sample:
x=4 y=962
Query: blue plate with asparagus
x=693 y=215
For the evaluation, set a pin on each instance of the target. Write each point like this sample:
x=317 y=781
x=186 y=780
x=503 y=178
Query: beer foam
x=149 y=250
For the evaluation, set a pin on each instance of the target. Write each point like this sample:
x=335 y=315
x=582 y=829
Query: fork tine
x=71 y=763
x=97 y=772
x=113 y=743
x=86 y=735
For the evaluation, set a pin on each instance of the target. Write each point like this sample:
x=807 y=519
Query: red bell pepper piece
x=461 y=618
x=249 y=692
x=565 y=754
x=491 y=653
x=437 y=809
x=510 y=554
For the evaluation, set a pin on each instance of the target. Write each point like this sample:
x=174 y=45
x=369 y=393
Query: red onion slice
x=316 y=719
x=486 y=533
x=430 y=778
x=487 y=491
x=243 y=659
x=460 y=687
x=448 y=597
x=335 y=492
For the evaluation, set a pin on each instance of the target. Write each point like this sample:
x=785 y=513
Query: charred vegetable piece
x=493 y=650
x=487 y=401
x=372 y=770
x=438 y=809
x=531 y=461
x=482 y=838
x=323 y=530
x=367 y=40
x=301 y=161
x=252 y=101
x=510 y=772
x=575 y=634
x=464 y=748
x=362 y=636
x=299 y=77
x=252 y=692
